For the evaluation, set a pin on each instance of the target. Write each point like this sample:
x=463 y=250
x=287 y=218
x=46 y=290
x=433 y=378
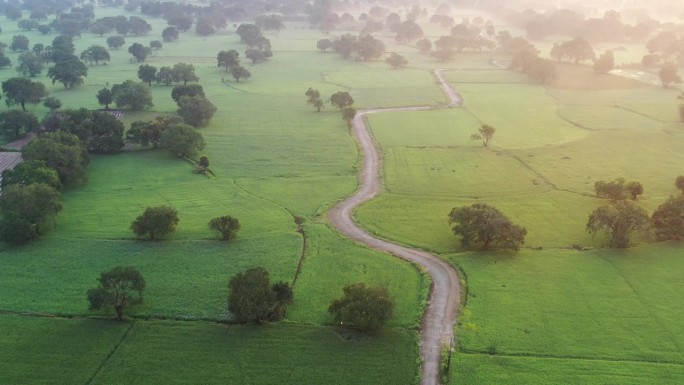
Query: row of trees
x=157 y=222
x=178 y=73
x=364 y=47
x=484 y=227
x=341 y=99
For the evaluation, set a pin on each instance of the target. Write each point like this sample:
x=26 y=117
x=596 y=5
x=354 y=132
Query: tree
x=62 y=48
x=252 y=298
x=226 y=225
x=115 y=42
x=182 y=140
x=542 y=71
x=147 y=73
x=4 y=60
x=119 y=288
x=156 y=45
x=189 y=90
x=484 y=226
x=196 y=111
x=165 y=75
x=348 y=114
x=28 y=25
x=324 y=44
x=634 y=189
x=105 y=97
x=100 y=28
x=19 y=43
x=16 y=123
x=618 y=220
x=424 y=45
x=155 y=222
x=105 y=133
x=443 y=54
x=28 y=211
x=185 y=73
x=62 y=151
x=52 y=103
x=96 y=54
x=249 y=33
x=182 y=21
x=605 y=63
x=667 y=219
x=485 y=133
x=362 y=307
x=30 y=172
x=256 y=55
x=314 y=98
x=138 y=26
x=240 y=72
x=368 y=47
x=22 y=91
x=69 y=72
x=228 y=59
x=204 y=27
x=396 y=61
x=170 y=34
x=617 y=189
x=135 y=96
x=150 y=132
x=668 y=74
x=139 y=52
x=341 y=100
x=30 y=64
x=408 y=31
x=578 y=50
x=679 y=183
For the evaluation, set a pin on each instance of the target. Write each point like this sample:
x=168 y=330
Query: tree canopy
x=362 y=307
x=485 y=133
x=668 y=219
x=182 y=140
x=196 y=111
x=314 y=98
x=68 y=72
x=618 y=220
x=252 y=298
x=119 y=288
x=155 y=222
x=28 y=211
x=61 y=151
x=483 y=226
x=341 y=99
x=22 y=91
x=30 y=172
x=226 y=225
x=16 y=123
x=133 y=95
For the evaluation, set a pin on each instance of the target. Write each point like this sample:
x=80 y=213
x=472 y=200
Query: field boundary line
x=568 y=358
x=111 y=353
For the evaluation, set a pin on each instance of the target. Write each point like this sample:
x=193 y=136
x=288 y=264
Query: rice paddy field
x=564 y=309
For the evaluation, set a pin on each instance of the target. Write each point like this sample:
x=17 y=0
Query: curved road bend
x=440 y=315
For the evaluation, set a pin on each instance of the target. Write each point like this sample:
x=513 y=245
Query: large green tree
x=132 y=95
x=184 y=72
x=68 y=72
x=16 y=123
x=95 y=54
x=362 y=307
x=147 y=73
x=226 y=225
x=30 y=172
x=62 y=152
x=188 y=90
x=27 y=211
x=482 y=226
x=341 y=100
x=228 y=59
x=252 y=298
x=139 y=51
x=22 y=91
x=155 y=222
x=668 y=219
x=182 y=140
x=30 y=64
x=196 y=111
x=619 y=220
x=119 y=288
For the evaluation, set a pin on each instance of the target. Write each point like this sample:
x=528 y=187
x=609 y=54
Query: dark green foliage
x=95 y=54
x=16 y=123
x=196 y=111
x=115 y=42
x=62 y=152
x=119 y=288
x=617 y=189
x=132 y=95
x=604 y=63
x=182 y=140
x=668 y=219
x=30 y=64
x=156 y=45
x=170 y=34
x=396 y=61
x=4 y=60
x=634 y=189
x=249 y=33
x=618 y=220
x=408 y=31
x=68 y=72
x=165 y=75
x=189 y=90
x=146 y=133
x=147 y=73
x=341 y=100
x=105 y=97
x=368 y=47
x=139 y=52
x=348 y=114
x=105 y=133
x=228 y=59
x=184 y=72
x=314 y=98
x=485 y=227
x=362 y=307
x=52 y=103
x=22 y=91
x=253 y=299
x=240 y=72
x=155 y=222
x=226 y=225
x=19 y=43
x=269 y=22
x=62 y=48
x=30 y=172
x=577 y=50
x=668 y=74
x=27 y=211
x=204 y=27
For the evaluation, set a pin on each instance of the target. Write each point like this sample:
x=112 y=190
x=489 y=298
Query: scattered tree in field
x=362 y=307
x=196 y=111
x=28 y=211
x=184 y=72
x=484 y=226
x=396 y=61
x=103 y=132
x=542 y=71
x=115 y=42
x=324 y=44
x=170 y=34
x=28 y=25
x=30 y=172
x=95 y=54
x=314 y=98
x=668 y=219
x=204 y=27
x=679 y=183
x=240 y=72
x=68 y=72
x=19 y=43
x=135 y=96
x=226 y=225
x=605 y=63
x=17 y=123
x=577 y=50
x=341 y=100
x=618 y=189
x=252 y=298
x=256 y=55
x=165 y=75
x=156 y=45
x=618 y=220
x=147 y=73
x=484 y=133
x=155 y=222
x=668 y=74
x=182 y=140
x=52 y=103
x=105 y=97
x=424 y=45
x=61 y=151
x=4 y=60
x=634 y=189
x=189 y=90
x=348 y=114
x=139 y=52
x=62 y=48
x=228 y=59
x=22 y=91
x=368 y=47
x=119 y=288
x=30 y=64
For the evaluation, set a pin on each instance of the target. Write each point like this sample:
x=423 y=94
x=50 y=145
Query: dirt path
x=440 y=315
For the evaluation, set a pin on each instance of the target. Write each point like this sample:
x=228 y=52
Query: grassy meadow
x=549 y=315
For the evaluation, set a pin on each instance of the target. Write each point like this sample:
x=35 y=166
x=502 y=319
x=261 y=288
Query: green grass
x=181 y=353
x=54 y=351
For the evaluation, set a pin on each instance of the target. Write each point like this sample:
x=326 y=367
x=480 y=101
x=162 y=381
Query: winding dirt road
x=440 y=315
